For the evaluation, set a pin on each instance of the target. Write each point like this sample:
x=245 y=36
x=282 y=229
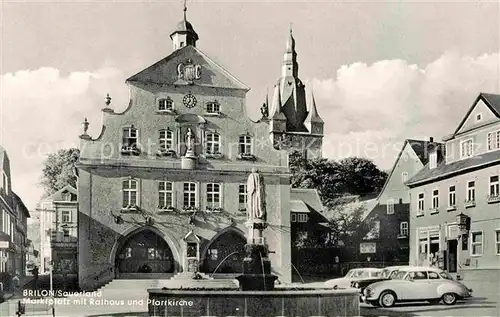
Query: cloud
x=42 y=111
x=372 y=109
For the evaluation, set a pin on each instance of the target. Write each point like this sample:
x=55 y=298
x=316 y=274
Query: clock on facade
x=189 y=101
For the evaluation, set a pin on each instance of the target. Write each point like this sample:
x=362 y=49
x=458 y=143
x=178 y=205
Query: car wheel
x=387 y=299
x=449 y=299
x=374 y=303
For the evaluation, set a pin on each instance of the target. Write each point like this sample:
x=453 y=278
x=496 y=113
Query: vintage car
x=415 y=283
x=387 y=273
x=345 y=282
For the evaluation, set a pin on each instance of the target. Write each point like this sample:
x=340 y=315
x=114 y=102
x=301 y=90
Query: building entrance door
x=452 y=256
x=145 y=252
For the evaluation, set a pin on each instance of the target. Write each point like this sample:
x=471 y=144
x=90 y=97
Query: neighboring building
x=392 y=209
x=58 y=231
x=21 y=234
x=162 y=189
x=32 y=259
x=306 y=217
x=461 y=178
x=13 y=218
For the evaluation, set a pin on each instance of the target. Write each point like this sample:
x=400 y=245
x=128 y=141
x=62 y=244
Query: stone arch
x=135 y=230
x=227 y=241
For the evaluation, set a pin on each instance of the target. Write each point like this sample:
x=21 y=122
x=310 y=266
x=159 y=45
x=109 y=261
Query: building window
x=130 y=137
x=242 y=197
x=493 y=140
x=471 y=191
x=403 y=228
x=302 y=218
x=433 y=160
x=192 y=250
x=404 y=177
x=390 y=206
x=213 y=253
x=435 y=199
x=189 y=194
x=452 y=197
x=165 y=195
x=129 y=189
x=166 y=140
x=66 y=233
x=213 y=107
x=213 y=196
x=245 y=144
x=213 y=143
x=466 y=148
x=497 y=241
x=476 y=243
x=421 y=204
x=478 y=117
x=494 y=188
x=294 y=217
x=66 y=216
x=165 y=104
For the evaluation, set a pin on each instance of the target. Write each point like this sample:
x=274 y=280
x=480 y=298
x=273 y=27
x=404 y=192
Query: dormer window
x=433 y=160
x=213 y=107
x=466 y=148
x=165 y=104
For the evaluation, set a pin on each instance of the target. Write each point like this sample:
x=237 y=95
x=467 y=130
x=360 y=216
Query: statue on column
x=255 y=197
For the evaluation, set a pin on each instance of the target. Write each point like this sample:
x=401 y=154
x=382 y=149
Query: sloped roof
x=422 y=149
x=307 y=196
x=57 y=196
x=492 y=101
x=23 y=207
x=444 y=170
x=164 y=72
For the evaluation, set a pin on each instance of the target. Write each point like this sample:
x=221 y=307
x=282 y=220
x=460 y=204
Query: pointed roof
x=276 y=112
x=57 y=196
x=492 y=101
x=421 y=149
x=313 y=115
x=164 y=72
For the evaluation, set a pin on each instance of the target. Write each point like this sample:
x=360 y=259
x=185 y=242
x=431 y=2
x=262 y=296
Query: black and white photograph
x=249 y=158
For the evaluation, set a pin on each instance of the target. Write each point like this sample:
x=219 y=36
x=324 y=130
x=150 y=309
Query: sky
x=381 y=71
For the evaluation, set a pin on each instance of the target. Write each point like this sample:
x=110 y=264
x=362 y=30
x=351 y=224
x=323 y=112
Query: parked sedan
x=345 y=282
x=416 y=284
x=387 y=274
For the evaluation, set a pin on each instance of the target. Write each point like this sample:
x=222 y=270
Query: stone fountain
x=257 y=294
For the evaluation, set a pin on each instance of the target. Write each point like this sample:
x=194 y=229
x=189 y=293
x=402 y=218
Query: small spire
x=313 y=115
x=85 y=126
x=185 y=9
x=290 y=28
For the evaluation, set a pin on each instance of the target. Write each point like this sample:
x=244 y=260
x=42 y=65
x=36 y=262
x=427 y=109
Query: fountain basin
x=279 y=302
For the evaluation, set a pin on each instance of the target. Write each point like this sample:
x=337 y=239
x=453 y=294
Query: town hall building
x=162 y=189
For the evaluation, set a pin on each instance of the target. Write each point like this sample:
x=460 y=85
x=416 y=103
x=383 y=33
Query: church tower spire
x=184 y=33
x=290 y=67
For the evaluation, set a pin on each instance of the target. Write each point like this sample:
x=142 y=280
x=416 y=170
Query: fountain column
x=256 y=264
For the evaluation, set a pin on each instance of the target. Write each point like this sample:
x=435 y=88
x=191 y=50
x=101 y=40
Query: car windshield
x=386 y=273
x=446 y=276
x=398 y=275
x=357 y=273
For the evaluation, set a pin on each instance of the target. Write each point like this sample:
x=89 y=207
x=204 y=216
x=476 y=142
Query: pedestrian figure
x=35 y=276
x=15 y=282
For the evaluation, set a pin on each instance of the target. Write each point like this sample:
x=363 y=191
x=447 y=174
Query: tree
x=58 y=170
x=361 y=176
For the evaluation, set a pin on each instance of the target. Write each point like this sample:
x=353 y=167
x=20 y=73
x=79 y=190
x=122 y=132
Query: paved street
x=484 y=303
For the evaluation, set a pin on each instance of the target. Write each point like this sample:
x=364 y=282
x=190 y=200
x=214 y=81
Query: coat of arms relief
x=188 y=71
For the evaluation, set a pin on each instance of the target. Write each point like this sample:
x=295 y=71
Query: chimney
x=431 y=139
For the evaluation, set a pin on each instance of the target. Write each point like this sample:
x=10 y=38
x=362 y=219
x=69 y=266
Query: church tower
x=184 y=33
x=294 y=122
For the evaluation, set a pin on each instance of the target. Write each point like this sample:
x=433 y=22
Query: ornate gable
x=188 y=66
